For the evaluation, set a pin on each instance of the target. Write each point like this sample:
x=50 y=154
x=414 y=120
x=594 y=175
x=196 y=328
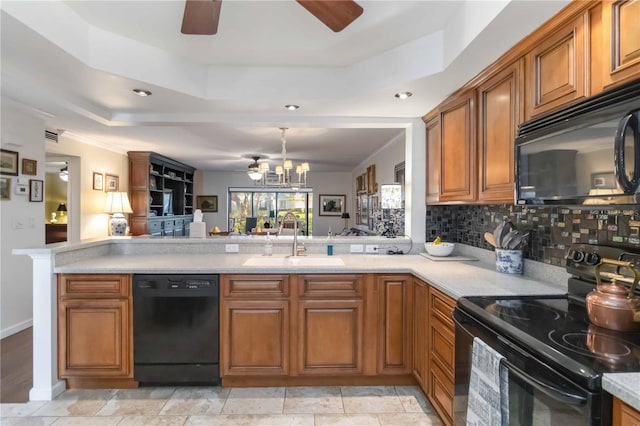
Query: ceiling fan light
x=292 y=107
x=64 y=174
x=254 y=175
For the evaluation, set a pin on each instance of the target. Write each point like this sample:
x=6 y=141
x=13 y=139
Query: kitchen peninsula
x=386 y=299
x=125 y=255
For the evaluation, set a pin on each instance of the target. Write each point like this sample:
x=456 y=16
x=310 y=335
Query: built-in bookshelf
x=161 y=193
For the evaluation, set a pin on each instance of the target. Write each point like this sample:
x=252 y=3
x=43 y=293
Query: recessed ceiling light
x=403 y=95
x=292 y=107
x=142 y=92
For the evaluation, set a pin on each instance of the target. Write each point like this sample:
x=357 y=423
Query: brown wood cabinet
x=254 y=325
x=556 y=68
x=420 y=332
x=95 y=339
x=624 y=415
x=330 y=324
x=434 y=159
x=500 y=109
x=441 y=352
x=151 y=178
x=458 y=152
x=395 y=324
x=620 y=47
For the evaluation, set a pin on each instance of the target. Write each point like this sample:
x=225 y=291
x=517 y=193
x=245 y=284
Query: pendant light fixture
x=259 y=171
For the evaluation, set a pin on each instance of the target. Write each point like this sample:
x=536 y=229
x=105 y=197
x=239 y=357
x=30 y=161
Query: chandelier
x=259 y=172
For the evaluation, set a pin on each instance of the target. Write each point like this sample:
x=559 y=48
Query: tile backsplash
x=552 y=229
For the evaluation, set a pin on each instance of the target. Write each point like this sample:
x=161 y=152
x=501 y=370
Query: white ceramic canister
x=509 y=261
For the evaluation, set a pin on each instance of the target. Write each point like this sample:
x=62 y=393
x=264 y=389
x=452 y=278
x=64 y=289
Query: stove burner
x=594 y=344
x=519 y=310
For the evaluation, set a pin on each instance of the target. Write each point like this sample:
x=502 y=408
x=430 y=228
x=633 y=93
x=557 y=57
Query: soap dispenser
x=268 y=247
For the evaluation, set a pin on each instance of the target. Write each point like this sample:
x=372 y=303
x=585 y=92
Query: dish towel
x=488 y=403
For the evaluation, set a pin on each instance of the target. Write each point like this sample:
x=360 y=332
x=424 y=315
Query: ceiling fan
x=201 y=16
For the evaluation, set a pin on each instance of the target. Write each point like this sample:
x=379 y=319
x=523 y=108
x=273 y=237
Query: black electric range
x=555 y=331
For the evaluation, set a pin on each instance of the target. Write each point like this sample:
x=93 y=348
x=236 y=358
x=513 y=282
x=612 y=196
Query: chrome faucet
x=295 y=250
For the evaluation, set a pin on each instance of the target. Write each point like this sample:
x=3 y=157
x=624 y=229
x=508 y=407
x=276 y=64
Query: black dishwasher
x=175 y=329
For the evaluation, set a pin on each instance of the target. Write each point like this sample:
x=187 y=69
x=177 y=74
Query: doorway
x=56 y=200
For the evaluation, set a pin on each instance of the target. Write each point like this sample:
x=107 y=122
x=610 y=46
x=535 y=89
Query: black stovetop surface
x=558 y=330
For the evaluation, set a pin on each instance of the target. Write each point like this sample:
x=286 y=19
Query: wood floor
x=16 y=366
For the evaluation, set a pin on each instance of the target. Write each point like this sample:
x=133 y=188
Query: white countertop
x=624 y=386
x=455 y=279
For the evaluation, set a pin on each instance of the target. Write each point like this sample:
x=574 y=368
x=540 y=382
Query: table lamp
x=117 y=204
x=346 y=218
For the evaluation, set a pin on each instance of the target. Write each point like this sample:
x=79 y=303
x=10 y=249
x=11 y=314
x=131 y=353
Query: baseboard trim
x=17 y=328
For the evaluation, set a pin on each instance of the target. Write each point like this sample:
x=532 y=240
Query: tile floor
x=195 y=406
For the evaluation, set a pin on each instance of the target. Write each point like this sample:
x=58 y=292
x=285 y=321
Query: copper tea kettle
x=612 y=306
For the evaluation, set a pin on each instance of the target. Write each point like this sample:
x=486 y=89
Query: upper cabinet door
x=433 y=160
x=458 y=166
x=621 y=41
x=556 y=68
x=500 y=109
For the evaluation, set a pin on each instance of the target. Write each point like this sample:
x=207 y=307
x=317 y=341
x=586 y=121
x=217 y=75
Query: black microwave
x=585 y=154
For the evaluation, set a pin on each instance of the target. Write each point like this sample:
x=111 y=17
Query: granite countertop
x=624 y=386
x=456 y=279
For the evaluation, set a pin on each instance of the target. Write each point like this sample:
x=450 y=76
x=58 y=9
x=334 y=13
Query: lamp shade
x=117 y=202
x=62 y=207
x=345 y=215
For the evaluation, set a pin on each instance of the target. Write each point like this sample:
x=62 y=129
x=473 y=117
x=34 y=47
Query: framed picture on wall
x=207 y=203
x=36 y=190
x=5 y=188
x=98 y=181
x=8 y=162
x=111 y=183
x=332 y=205
x=29 y=167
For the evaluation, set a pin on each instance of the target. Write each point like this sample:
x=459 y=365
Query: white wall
x=217 y=183
x=24 y=133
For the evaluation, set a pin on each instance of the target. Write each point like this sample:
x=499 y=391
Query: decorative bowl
x=442 y=249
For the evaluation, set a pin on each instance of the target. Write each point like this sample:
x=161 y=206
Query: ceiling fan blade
x=335 y=14
x=201 y=17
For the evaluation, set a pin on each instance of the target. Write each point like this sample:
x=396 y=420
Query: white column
x=415 y=183
x=46 y=385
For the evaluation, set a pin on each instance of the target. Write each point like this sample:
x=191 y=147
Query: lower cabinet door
x=254 y=337
x=94 y=339
x=330 y=337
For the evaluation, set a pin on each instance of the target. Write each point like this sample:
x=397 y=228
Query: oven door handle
x=555 y=393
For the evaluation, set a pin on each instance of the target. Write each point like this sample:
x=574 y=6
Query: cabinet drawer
x=76 y=286
x=347 y=286
x=441 y=342
x=441 y=394
x=155 y=227
x=168 y=225
x=255 y=286
x=178 y=223
x=441 y=306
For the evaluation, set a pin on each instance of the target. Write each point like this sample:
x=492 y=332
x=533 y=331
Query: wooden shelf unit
x=152 y=175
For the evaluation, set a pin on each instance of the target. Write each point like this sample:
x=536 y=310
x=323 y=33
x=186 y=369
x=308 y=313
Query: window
x=270 y=206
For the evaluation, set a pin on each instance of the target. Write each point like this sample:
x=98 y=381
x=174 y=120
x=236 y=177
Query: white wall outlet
x=231 y=248
x=356 y=248
x=18 y=223
x=371 y=248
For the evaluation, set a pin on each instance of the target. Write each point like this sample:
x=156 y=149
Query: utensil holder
x=509 y=261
